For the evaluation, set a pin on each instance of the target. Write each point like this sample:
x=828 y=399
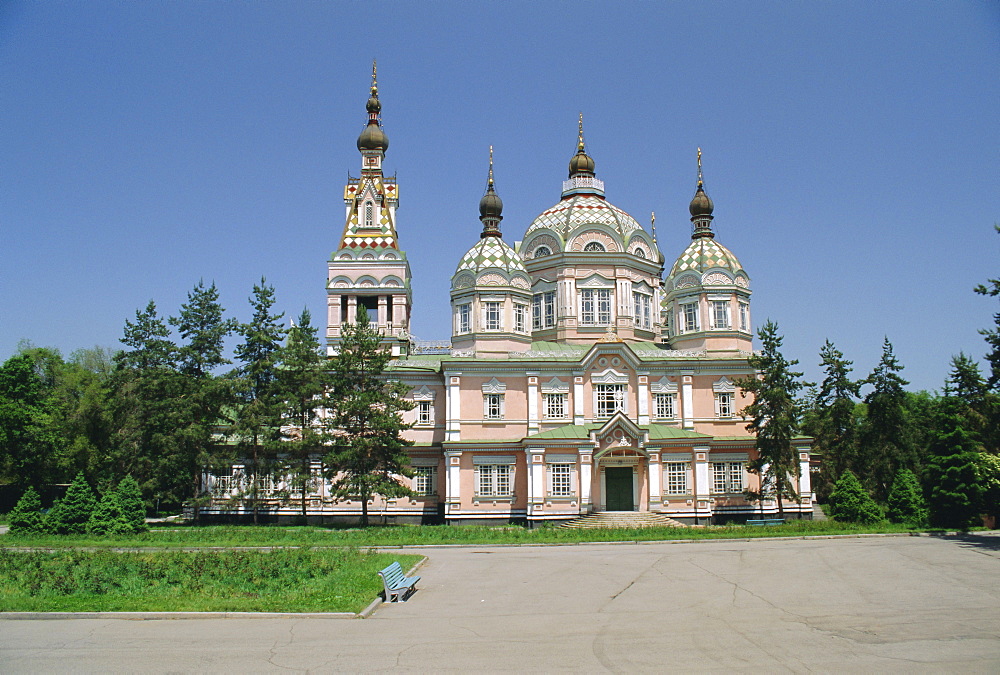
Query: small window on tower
x=594 y=246
x=369 y=210
x=542 y=251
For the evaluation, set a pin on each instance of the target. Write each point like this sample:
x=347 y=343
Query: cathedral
x=579 y=377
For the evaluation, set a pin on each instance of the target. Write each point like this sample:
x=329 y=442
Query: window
x=744 y=317
x=643 y=310
x=493 y=316
x=727 y=478
x=640 y=252
x=676 y=478
x=689 y=317
x=720 y=314
x=665 y=406
x=368 y=214
x=464 y=318
x=425 y=413
x=594 y=247
x=723 y=404
x=543 y=310
x=425 y=480
x=493 y=406
x=595 y=307
x=493 y=480
x=560 y=480
x=610 y=399
x=520 y=318
x=555 y=405
x=542 y=251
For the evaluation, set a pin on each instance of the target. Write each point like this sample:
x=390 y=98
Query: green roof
x=657 y=432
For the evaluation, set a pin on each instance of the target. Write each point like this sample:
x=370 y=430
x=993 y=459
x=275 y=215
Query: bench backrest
x=393 y=575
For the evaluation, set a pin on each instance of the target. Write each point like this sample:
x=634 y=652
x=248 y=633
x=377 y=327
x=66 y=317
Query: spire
x=373 y=139
x=490 y=206
x=701 y=208
x=581 y=164
x=652 y=225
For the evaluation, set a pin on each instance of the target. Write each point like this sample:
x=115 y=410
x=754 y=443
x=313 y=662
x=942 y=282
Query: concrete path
x=886 y=604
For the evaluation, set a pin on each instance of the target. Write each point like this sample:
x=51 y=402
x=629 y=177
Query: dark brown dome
x=702 y=204
x=373 y=138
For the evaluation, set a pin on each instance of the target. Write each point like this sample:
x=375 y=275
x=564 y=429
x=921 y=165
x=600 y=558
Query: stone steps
x=608 y=519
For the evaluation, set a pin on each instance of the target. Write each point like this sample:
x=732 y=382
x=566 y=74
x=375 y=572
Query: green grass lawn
x=282 y=580
x=174 y=536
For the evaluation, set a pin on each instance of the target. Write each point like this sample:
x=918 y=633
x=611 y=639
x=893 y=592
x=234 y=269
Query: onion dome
x=491 y=206
x=701 y=208
x=702 y=204
x=581 y=163
x=373 y=138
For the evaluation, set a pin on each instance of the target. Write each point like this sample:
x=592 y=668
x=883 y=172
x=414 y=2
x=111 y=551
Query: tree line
x=914 y=457
x=168 y=407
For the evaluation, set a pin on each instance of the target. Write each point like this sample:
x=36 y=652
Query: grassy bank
x=288 y=580
x=251 y=536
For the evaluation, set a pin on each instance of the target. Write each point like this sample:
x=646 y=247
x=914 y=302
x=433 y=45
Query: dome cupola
x=490 y=206
x=701 y=208
x=581 y=163
x=373 y=139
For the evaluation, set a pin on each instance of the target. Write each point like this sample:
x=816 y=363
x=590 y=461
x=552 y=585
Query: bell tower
x=369 y=270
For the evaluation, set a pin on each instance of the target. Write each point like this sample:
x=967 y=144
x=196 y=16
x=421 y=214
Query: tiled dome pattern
x=704 y=254
x=578 y=211
x=491 y=252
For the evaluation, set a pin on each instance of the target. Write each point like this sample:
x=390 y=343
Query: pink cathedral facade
x=582 y=373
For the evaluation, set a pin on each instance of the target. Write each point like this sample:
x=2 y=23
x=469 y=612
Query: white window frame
x=665 y=406
x=720 y=314
x=689 y=317
x=676 y=478
x=494 y=480
x=560 y=479
x=744 y=316
x=369 y=214
x=642 y=309
x=728 y=477
x=609 y=399
x=425 y=481
x=493 y=406
x=492 y=315
x=595 y=306
x=555 y=405
x=724 y=405
x=464 y=318
x=425 y=413
x=520 y=318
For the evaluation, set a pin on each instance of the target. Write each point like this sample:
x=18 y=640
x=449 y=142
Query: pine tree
x=301 y=383
x=851 y=503
x=833 y=420
x=257 y=426
x=70 y=514
x=26 y=517
x=988 y=471
x=107 y=517
x=367 y=456
x=992 y=335
x=201 y=324
x=955 y=492
x=906 y=502
x=133 y=508
x=886 y=444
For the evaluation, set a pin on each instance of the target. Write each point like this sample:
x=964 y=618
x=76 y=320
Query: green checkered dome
x=577 y=211
x=491 y=253
x=703 y=254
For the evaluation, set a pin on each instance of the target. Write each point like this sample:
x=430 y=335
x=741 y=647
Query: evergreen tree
x=301 y=383
x=257 y=424
x=886 y=445
x=992 y=335
x=367 y=455
x=130 y=502
x=988 y=471
x=147 y=408
x=202 y=326
x=954 y=488
x=70 y=514
x=981 y=412
x=906 y=502
x=26 y=517
x=851 y=503
x=833 y=420
x=107 y=517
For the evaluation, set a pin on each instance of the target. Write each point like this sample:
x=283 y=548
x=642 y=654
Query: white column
x=655 y=476
x=453 y=408
x=532 y=402
x=352 y=308
x=333 y=311
x=577 y=398
x=687 y=398
x=805 y=480
x=535 y=461
x=586 y=477
x=643 y=406
x=624 y=291
x=702 y=485
x=453 y=489
x=383 y=315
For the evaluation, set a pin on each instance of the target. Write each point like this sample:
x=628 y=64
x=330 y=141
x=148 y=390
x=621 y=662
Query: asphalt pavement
x=912 y=604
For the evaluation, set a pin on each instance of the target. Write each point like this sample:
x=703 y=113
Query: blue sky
x=852 y=151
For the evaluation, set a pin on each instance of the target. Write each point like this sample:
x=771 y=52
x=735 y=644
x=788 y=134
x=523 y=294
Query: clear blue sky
x=852 y=151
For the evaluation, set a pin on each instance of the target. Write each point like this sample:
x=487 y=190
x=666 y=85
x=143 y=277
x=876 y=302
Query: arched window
x=542 y=251
x=594 y=246
x=640 y=252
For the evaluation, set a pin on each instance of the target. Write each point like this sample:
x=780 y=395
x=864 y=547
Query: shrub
x=849 y=502
x=70 y=514
x=26 y=518
x=133 y=508
x=107 y=517
x=955 y=491
x=906 y=502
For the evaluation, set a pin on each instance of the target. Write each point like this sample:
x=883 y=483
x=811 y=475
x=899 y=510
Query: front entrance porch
x=618 y=488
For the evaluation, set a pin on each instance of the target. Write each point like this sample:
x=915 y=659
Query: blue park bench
x=396 y=584
x=763 y=522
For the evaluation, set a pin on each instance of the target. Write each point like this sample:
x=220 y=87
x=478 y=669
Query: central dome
x=579 y=211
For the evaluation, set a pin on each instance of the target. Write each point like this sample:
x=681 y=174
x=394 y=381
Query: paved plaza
x=868 y=604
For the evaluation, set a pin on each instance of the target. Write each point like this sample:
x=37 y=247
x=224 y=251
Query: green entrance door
x=618 y=488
